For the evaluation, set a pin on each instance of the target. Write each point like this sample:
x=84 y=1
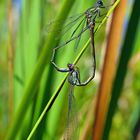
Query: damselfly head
x=70 y=66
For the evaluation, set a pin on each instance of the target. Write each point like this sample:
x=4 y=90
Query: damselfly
x=74 y=80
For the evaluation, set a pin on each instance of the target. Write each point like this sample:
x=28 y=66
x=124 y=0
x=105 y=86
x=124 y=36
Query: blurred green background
x=28 y=80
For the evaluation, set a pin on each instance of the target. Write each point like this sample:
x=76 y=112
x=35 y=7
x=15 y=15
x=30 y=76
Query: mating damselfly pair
x=84 y=22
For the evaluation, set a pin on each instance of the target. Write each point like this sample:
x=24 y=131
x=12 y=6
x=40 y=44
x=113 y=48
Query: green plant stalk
x=62 y=82
x=30 y=87
x=122 y=67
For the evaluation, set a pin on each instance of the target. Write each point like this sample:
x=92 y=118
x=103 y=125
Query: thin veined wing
x=76 y=34
x=69 y=23
x=73 y=38
x=71 y=26
x=72 y=131
x=79 y=27
x=79 y=38
x=73 y=33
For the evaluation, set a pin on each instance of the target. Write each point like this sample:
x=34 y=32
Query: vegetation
x=33 y=95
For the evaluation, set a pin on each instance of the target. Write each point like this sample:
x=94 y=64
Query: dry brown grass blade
x=109 y=69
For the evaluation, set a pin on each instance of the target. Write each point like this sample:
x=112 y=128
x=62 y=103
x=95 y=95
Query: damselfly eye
x=100 y=3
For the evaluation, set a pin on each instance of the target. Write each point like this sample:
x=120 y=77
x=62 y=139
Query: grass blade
x=122 y=67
